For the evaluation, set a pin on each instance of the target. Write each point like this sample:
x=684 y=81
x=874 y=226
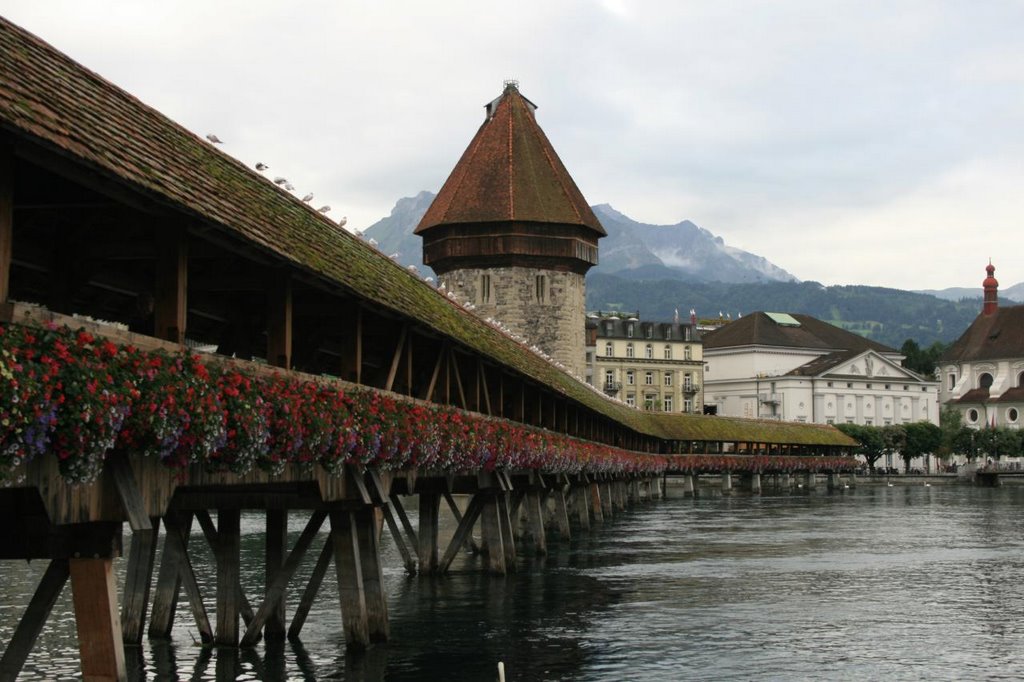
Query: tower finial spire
x=991 y=288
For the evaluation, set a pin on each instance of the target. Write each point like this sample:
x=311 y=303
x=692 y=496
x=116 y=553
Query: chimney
x=991 y=286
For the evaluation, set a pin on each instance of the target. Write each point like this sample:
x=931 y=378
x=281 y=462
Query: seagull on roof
x=260 y=166
x=344 y=219
x=394 y=256
x=373 y=242
x=358 y=233
x=280 y=181
x=308 y=198
x=323 y=209
x=214 y=139
x=289 y=186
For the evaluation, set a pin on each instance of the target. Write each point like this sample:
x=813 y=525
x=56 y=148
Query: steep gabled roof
x=510 y=173
x=996 y=336
x=759 y=329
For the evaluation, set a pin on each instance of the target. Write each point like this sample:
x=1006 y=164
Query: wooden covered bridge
x=329 y=382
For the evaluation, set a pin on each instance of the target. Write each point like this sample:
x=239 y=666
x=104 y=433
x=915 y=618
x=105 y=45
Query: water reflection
x=901 y=583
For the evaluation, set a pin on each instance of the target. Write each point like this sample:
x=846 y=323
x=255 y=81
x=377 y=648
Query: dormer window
x=650 y=331
x=629 y=330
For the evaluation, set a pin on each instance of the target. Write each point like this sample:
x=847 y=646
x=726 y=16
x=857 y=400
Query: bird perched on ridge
x=308 y=198
x=214 y=139
x=344 y=219
x=280 y=181
x=260 y=166
x=323 y=209
x=373 y=242
x=289 y=186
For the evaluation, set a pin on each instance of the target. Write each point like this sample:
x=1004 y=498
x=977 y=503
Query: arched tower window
x=649 y=352
x=1020 y=380
x=985 y=380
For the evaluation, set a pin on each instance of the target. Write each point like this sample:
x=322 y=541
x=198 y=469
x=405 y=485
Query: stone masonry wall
x=554 y=321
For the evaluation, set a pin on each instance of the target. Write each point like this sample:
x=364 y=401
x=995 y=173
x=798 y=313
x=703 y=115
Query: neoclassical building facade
x=648 y=365
x=982 y=373
x=797 y=368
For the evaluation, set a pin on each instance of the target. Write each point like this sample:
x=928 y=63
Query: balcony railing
x=771 y=398
x=612 y=387
x=691 y=388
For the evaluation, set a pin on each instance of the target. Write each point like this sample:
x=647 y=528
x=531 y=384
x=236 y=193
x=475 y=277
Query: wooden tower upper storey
x=510 y=202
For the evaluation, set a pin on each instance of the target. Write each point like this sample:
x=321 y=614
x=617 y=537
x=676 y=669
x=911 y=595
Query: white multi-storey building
x=798 y=368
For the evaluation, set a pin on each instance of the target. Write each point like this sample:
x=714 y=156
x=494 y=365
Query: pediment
x=870 y=365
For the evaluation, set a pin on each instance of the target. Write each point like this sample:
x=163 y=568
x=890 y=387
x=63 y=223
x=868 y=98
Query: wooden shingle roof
x=48 y=100
x=510 y=173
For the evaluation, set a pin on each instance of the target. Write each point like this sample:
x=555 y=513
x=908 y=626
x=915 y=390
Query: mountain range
x=659 y=270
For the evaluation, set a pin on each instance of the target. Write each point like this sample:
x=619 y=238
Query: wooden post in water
x=812 y=480
x=430 y=507
x=535 y=523
x=726 y=482
x=277 y=547
x=606 y=500
x=373 y=575
x=492 y=531
x=100 y=647
x=138 y=576
x=505 y=518
x=755 y=483
x=596 y=506
x=228 y=573
x=689 y=485
x=349 y=570
x=561 y=514
x=581 y=505
x=785 y=482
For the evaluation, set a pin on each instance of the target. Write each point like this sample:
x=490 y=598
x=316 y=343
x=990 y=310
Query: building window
x=668 y=378
x=631 y=399
x=609 y=378
x=906 y=388
x=630 y=378
x=629 y=350
x=869 y=422
x=867 y=385
x=629 y=330
x=985 y=380
x=952 y=381
x=668 y=332
x=668 y=352
x=687 y=405
x=541 y=288
x=829 y=384
x=608 y=350
x=649 y=352
x=888 y=386
x=972 y=416
x=649 y=331
x=830 y=420
x=687 y=353
x=648 y=378
x=687 y=382
x=485 y=289
x=1020 y=380
x=849 y=384
x=666 y=403
x=1011 y=415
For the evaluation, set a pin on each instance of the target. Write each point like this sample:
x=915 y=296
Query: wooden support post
x=94 y=592
x=535 y=522
x=34 y=618
x=210 y=531
x=463 y=533
x=176 y=571
x=481 y=371
x=430 y=507
x=509 y=545
x=373 y=575
x=581 y=501
x=128 y=492
x=228 y=572
x=323 y=562
x=561 y=514
x=137 y=579
x=606 y=500
x=280 y=574
x=396 y=502
x=429 y=395
x=492 y=530
x=396 y=359
x=469 y=541
x=277 y=543
x=6 y=219
x=453 y=361
x=596 y=505
x=279 y=321
x=170 y=292
x=396 y=534
x=349 y=570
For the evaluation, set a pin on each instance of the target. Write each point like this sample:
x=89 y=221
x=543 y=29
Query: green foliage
x=950 y=422
x=922 y=360
x=998 y=442
x=922 y=438
x=888 y=316
x=872 y=445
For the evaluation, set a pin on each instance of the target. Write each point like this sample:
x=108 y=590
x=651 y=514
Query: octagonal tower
x=510 y=232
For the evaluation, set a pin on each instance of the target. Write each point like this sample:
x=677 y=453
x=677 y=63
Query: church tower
x=510 y=232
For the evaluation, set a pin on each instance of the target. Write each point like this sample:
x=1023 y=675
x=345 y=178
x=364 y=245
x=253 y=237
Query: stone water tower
x=510 y=232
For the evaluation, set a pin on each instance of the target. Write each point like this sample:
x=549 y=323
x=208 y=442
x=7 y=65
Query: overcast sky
x=847 y=142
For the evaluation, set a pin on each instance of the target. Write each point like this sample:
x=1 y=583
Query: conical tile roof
x=510 y=173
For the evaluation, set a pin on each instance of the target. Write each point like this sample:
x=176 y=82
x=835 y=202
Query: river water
x=900 y=583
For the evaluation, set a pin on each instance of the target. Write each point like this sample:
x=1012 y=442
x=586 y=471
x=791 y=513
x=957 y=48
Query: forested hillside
x=890 y=316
